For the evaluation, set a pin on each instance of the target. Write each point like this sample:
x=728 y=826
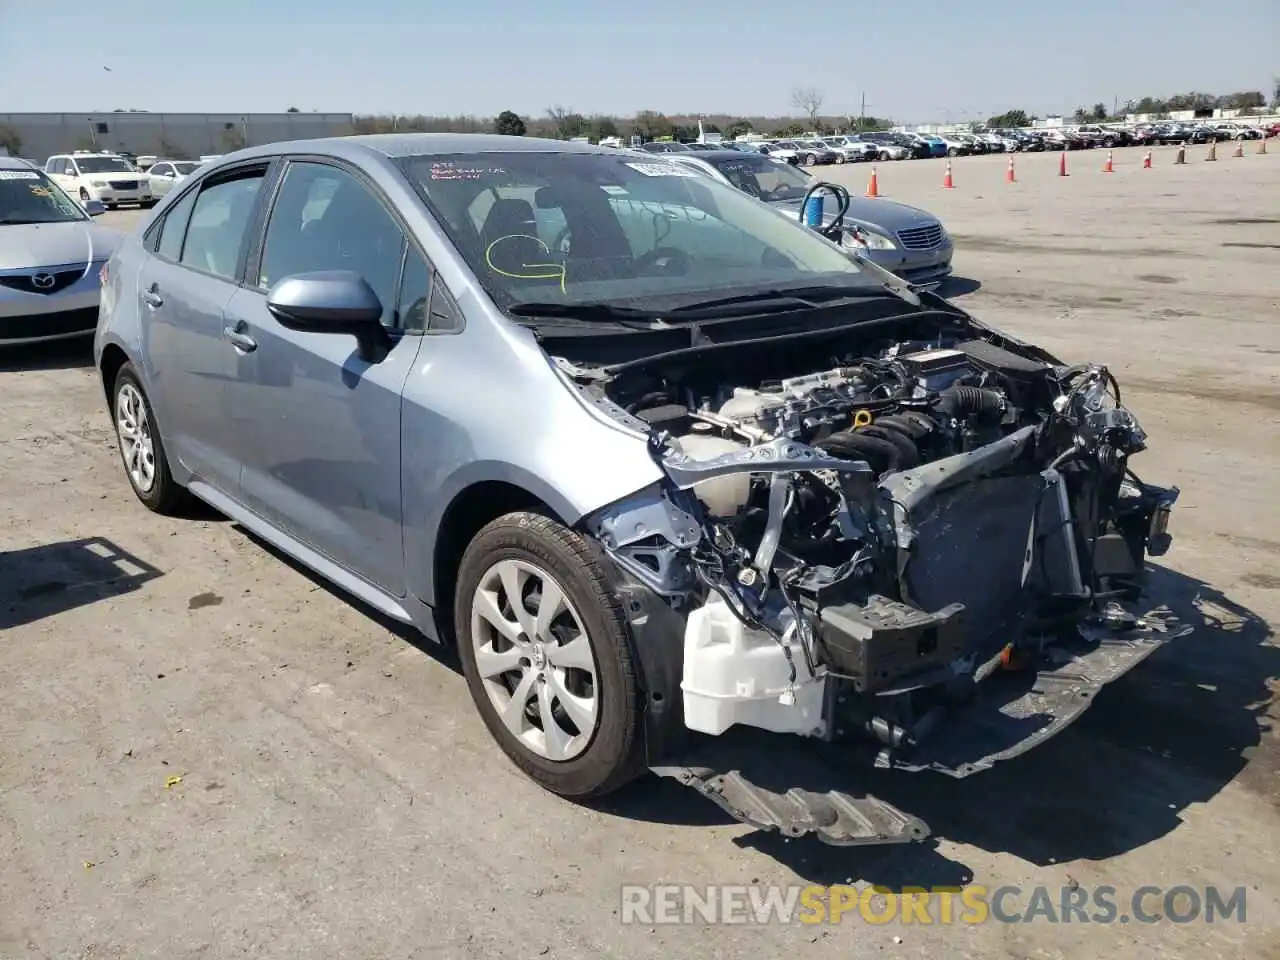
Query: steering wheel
x=667 y=260
x=560 y=244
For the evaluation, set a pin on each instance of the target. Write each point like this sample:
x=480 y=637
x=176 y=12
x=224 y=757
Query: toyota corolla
x=663 y=464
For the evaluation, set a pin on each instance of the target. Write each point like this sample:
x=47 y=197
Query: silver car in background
x=51 y=254
x=660 y=461
x=902 y=239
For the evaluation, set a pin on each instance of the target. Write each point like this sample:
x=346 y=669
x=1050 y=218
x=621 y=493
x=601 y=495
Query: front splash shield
x=772 y=783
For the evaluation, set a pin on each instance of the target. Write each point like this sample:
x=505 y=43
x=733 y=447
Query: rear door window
x=174 y=228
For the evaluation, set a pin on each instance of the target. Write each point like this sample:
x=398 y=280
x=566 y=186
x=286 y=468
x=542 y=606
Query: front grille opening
x=921 y=238
x=38 y=281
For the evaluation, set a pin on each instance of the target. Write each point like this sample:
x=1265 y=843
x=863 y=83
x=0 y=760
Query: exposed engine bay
x=859 y=531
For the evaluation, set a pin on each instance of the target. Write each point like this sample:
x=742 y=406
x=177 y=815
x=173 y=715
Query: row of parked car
x=112 y=179
x=895 y=145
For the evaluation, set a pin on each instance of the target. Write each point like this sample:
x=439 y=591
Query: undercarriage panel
x=774 y=783
x=1015 y=711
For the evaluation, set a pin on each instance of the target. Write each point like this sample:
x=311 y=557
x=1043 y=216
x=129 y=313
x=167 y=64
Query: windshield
x=186 y=167
x=594 y=228
x=103 y=165
x=28 y=196
x=770 y=180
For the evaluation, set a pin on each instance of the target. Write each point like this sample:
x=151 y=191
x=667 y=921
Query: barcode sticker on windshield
x=19 y=175
x=661 y=170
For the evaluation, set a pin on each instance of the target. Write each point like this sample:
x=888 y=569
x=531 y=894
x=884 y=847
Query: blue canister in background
x=813 y=211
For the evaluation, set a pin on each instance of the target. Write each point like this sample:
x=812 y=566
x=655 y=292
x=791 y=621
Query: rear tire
x=810 y=160
x=578 y=657
x=141 y=450
x=84 y=195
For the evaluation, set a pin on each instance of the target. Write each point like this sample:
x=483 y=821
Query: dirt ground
x=205 y=752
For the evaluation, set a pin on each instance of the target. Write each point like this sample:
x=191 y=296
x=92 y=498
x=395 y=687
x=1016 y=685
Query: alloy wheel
x=535 y=660
x=137 y=445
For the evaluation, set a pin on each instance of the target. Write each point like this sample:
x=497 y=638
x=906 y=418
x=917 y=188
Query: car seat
x=510 y=239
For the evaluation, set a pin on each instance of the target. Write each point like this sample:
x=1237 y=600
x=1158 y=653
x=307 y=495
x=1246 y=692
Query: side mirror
x=95 y=208
x=332 y=301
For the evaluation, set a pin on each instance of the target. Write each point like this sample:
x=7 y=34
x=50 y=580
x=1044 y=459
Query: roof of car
x=14 y=163
x=723 y=155
x=423 y=144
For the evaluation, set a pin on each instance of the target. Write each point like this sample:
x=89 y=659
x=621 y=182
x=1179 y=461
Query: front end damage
x=926 y=547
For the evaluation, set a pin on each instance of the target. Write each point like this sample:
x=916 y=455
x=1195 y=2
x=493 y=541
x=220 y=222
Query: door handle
x=240 y=341
x=151 y=298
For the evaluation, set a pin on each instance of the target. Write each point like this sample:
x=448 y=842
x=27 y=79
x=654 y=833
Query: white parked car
x=787 y=150
x=850 y=149
x=165 y=174
x=51 y=258
x=100 y=176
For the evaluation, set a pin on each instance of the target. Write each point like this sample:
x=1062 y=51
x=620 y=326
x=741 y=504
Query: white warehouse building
x=176 y=135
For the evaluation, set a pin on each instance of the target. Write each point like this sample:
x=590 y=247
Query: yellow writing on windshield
x=528 y=271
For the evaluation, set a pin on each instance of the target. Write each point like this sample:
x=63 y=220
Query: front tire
x=141 y=449
x=546 y=651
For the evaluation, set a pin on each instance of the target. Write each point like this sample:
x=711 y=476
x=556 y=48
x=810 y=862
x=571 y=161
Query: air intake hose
x=961 y=401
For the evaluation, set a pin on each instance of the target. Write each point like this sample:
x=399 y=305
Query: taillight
x=104 y=275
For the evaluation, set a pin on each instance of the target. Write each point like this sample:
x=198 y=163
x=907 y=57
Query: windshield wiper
x=808 y=298
x=631 y=318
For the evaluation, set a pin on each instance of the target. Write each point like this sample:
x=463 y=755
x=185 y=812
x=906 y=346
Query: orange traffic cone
x=1239 y=149
x=1062 y=164
x=947 y=182
x=1182 y=154
x=873 y=185
x=1146 y=160
x=1009 y=176
x=1213 y=150
x=1109 y=166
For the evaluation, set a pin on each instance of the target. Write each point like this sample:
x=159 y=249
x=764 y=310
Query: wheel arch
x=468 y=512
x=109 y=364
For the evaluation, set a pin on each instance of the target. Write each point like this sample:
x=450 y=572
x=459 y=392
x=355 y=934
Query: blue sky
x=916 y=61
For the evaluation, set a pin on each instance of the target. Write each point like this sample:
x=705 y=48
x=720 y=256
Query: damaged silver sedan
x=668 y=468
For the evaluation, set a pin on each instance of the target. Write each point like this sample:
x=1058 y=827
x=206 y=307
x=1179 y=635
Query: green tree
x=10 y=140
x=508 y=122
x=603 y=127
x=1081 y=115
x=738 y=128
x=650 y=124
x=1099 y=111
x=1010 y=118
x=1243 y=100
x=293 y=110
x=566 y=123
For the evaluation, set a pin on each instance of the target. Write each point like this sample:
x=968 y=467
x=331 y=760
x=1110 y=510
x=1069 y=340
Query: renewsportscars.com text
x=971 y=905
